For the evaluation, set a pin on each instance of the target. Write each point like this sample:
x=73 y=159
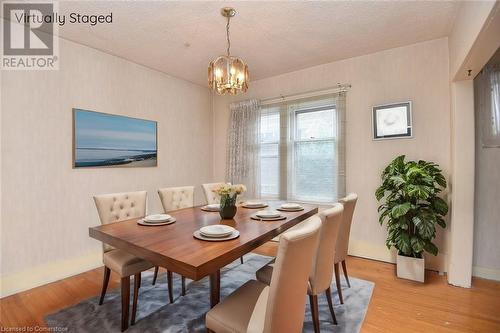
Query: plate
x=291 y=206
x=290 y=210
x=216 y=230
x=155 y=218
x=254 y=204
x=255 y=217
x=233 y=235
x=211 y=208
x=268 y=213
x=142 y=222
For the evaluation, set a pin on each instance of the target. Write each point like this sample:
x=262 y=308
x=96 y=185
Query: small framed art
x=392 y=121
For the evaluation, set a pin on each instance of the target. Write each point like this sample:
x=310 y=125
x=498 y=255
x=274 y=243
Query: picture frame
x=104 y=140
x=392 y=121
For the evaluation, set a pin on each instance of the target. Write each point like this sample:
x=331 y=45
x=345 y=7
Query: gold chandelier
x=228 y=74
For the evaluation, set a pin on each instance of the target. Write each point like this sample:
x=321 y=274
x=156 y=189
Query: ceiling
x=180 y=38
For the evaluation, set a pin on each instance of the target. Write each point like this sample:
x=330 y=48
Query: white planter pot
x=410 y=268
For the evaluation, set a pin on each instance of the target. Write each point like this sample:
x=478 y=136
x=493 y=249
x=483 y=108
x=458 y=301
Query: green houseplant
x=411 y=208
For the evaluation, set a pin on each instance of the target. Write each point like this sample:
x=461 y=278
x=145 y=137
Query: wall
x=418 y=73
x=47 y=205
x=472 y=41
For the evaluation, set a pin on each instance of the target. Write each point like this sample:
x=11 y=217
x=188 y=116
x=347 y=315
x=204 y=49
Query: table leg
x=214 y=288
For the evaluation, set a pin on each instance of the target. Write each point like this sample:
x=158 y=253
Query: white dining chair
x=112 y=208
x=258 y=308
x=174 y=198
x=210 y=196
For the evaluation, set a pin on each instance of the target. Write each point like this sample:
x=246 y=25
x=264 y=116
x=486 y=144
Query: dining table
x=174 y=248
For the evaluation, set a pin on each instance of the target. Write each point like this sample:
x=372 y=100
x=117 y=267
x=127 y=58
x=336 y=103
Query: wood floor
x=396 y=305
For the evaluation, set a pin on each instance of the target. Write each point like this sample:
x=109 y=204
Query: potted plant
x=412 y=208
x=228 y=194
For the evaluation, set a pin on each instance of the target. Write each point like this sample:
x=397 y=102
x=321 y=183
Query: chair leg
x=105 y=282
x=137 y=284
x=156 y=275
x=344 y=268
x=125 y=284
x=337 y=282
x=328 y=294
x=183 y=282
x=313 y=300
x=170 y=291
x=241 y=260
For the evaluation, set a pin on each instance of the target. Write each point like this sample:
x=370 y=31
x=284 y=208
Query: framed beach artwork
x=392 y=121
x=106 y=140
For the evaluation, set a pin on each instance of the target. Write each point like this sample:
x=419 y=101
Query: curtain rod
x=338 y=88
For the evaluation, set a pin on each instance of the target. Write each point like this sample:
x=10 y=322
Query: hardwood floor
x=396 y=305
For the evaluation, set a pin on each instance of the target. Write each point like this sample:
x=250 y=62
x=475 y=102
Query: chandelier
x=228 y=74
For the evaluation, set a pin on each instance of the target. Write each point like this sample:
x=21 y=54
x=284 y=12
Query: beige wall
x=418 y=73
x=47 y=205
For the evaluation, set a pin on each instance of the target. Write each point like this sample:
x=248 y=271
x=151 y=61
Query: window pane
x=315 y=124
x=314 y=171
x=270 y=127
x=269 y=170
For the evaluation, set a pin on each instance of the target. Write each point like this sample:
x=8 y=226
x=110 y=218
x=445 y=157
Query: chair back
x=349 y=203
x=173 y=198
x=322 y=271
x=286 y=301
x=117 y=207
x=210 y=196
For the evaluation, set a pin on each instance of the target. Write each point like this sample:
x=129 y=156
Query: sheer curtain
x=487 y=92
x=243 y=151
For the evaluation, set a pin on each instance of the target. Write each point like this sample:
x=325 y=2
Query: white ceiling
x=180 y=38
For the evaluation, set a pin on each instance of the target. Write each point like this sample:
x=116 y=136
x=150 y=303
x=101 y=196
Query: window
x=299 y=157
x=269 y=153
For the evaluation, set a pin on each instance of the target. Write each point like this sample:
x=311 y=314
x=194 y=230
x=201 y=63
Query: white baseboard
x=43 y=274
x=486 y=273
x=380 y=252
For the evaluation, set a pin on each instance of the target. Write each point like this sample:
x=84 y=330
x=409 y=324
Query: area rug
x=187 y=313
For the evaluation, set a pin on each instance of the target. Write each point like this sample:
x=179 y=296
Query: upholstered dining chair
x=321 y=275
x=279 y=307
x=210 y=196
x=114 y=208
x=173 y=198
x=349 y=203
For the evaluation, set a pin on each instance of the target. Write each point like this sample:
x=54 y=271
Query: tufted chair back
x=212 y=198
x=286 y=302
x=322 y=272
x=117 y=207
x=173 y=198
x=349 y=203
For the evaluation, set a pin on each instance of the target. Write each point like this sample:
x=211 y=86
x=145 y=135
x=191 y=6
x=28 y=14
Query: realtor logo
x=29 y=40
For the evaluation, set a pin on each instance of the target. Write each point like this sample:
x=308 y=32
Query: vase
x=227 y=207
x=410 y=268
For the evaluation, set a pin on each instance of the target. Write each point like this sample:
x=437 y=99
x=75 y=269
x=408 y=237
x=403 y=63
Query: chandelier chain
x=227 y=34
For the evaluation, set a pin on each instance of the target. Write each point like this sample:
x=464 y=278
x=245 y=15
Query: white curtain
x=487 y=99
x=243 y=146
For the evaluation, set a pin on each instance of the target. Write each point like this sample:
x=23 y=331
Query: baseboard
x=43 y=274
x=378 y=252
x=486 y=273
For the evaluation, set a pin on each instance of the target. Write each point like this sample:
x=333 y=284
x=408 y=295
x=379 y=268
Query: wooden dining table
x=174 y=247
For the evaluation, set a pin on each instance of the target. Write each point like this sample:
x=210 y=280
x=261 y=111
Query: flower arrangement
x=228 y=194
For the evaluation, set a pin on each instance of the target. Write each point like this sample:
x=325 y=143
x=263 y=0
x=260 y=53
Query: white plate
x=291 y=206
x=142 y=222
x=155 y=218
x=254 y=203
x=233 y=235
x=216 y=230
x=268 y=213
x=213 y=206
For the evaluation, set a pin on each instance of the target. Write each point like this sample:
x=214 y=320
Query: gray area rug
x=187 y=314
